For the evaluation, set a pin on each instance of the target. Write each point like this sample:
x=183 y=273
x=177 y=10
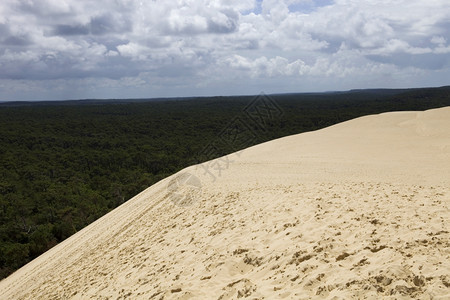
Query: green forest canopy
x=65 y=164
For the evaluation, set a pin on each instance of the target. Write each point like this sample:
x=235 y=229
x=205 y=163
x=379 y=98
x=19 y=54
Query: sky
x=80 y=49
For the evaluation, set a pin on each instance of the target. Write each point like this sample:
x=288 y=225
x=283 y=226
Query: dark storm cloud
x=109 y=24
x=173 y=71
x=443 y=29
x=99 y=25
x=43 y=67
x=7 y=39
x=4 y=30
x=17 y=41
x=67 y=30
x=48 y=67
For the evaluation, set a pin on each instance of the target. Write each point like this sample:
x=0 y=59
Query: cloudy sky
x=76 y=49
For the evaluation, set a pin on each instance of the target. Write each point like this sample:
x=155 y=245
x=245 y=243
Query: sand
x=356 y=210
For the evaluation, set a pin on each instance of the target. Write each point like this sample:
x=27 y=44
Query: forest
x=64 y=164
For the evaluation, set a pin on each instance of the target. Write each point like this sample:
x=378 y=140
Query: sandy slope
x=359 y=209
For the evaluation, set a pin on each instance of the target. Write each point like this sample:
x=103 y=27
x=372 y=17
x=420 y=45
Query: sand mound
x=356 y=210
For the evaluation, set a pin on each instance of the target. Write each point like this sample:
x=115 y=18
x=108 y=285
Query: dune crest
x=358 y=209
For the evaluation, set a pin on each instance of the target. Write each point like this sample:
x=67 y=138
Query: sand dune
x=356 y=210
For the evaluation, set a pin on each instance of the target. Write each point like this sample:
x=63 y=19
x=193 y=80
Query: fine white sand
x=356 y=210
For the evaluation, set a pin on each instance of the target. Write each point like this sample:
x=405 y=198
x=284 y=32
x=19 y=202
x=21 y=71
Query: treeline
x=65 y=164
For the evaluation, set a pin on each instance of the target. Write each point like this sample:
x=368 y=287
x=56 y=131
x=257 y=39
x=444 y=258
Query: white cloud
x=267 y=67
x=438 y=40
x=176 y=45
x=132 y=50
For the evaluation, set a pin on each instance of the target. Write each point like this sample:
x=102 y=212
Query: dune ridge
x=356 y=210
